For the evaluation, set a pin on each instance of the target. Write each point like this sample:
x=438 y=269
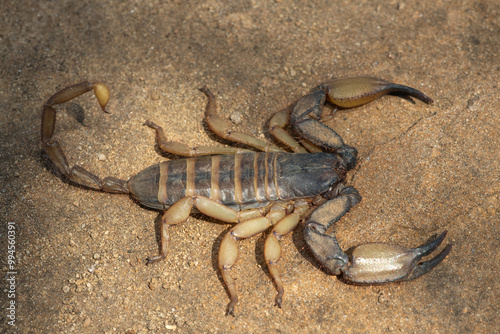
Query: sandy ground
x=80 y=254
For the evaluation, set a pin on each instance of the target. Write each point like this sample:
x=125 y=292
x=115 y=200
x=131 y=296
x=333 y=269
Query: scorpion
x=270 y=189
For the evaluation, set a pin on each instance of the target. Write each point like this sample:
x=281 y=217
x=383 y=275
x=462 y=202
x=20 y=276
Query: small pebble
x=235 y=117
x=172 y=327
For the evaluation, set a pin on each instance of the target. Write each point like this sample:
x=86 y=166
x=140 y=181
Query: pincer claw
x=426 y=266
x=348 y=92
x=380 y=263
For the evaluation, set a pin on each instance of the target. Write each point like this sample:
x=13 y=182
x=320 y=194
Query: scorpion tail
x=53 y=149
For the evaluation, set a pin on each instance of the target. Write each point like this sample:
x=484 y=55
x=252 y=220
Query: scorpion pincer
x=271 y=189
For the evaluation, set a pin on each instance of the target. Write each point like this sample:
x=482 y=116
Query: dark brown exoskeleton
x=257 y=191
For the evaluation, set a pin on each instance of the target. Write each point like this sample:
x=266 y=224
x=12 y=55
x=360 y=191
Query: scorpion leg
x=222 y=127
x=272 y=248
x=53 y=149
x=228 y=251
x=276 y=126
x=310 y=146
x=176 y=214
x=182 y=149
x=181 y=209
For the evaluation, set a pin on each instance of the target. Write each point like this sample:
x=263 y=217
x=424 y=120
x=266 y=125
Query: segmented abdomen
x=239 y=181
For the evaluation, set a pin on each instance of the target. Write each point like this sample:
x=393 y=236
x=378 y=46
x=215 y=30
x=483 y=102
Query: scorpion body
x=238 y=181
x=273 y=189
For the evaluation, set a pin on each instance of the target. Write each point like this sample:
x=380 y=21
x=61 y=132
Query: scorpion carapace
x=259 y=191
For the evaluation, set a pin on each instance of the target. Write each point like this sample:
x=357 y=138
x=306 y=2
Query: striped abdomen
x=239 y=181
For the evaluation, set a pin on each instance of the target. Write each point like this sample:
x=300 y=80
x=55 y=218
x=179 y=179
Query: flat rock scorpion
x=271 y=189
